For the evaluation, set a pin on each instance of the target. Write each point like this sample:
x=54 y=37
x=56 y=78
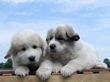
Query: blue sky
x=90 y=19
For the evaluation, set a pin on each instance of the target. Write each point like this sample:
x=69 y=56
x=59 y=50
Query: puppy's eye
x=23 y=49
x=34 y=46
x=51 y=38
x=47 y=40
x=59 y=38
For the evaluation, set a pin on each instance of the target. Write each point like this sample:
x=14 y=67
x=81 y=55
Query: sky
x=89 y=18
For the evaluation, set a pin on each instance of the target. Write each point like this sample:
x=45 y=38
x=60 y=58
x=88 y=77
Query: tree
x=7 y=64
x=1 y=65
x=107 y=61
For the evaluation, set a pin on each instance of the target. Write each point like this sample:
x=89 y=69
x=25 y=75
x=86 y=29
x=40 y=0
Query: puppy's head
x=61 y=38
x=27 y=47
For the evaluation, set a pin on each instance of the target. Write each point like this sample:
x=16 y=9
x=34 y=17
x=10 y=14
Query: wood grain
x=92 y=75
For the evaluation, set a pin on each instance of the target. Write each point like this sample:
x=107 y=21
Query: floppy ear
x=69 y=32
x=73 y=37
x=76 y=37
x=9 y=53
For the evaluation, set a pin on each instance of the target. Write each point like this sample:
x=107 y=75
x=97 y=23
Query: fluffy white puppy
x=27 y=50
x=68 y=53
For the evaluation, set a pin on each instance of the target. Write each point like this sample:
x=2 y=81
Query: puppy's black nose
x=52 y=46
x=32 y=58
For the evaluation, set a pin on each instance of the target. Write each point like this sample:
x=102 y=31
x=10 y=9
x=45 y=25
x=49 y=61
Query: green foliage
x=7 y=64
x=1 y=65
x=107 y=61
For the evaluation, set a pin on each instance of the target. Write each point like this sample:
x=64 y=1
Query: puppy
x=27 y=51
x=68 y=53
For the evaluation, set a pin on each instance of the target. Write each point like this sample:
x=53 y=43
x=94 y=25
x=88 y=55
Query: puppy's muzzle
x=52 y=46
x=31 y=58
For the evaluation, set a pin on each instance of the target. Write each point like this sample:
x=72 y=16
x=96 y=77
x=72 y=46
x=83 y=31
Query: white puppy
x=27 y=50
x=68 y=53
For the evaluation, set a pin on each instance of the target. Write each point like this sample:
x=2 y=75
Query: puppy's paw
x=43 y=73
x=22 y=71
x=67 y=71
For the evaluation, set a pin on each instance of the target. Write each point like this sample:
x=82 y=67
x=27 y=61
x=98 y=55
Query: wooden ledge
x=2 y=72
x=92 y=75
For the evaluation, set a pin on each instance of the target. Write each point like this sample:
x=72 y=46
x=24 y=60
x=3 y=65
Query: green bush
x=7 y=64
x=107 y=61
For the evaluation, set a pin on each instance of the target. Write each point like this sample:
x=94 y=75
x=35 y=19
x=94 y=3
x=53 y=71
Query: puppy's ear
x=72 y=36
x=76 y=37
x=9 y=53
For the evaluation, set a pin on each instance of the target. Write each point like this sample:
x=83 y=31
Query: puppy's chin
x=31 y=62
x=55 y=52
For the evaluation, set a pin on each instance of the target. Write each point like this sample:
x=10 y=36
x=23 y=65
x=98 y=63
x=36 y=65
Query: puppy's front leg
x=22 y=71
x=45 y=70
x=73 y=66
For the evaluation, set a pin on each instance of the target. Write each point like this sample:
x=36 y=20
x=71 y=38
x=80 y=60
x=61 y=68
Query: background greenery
x=8 y=63
x=107 y=61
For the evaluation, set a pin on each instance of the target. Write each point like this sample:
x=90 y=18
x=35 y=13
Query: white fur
x=26 y=39
x=68 y=60
x=44 y=70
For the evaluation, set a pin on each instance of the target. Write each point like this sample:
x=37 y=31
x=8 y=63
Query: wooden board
x=104 y=77
x=93 y=75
